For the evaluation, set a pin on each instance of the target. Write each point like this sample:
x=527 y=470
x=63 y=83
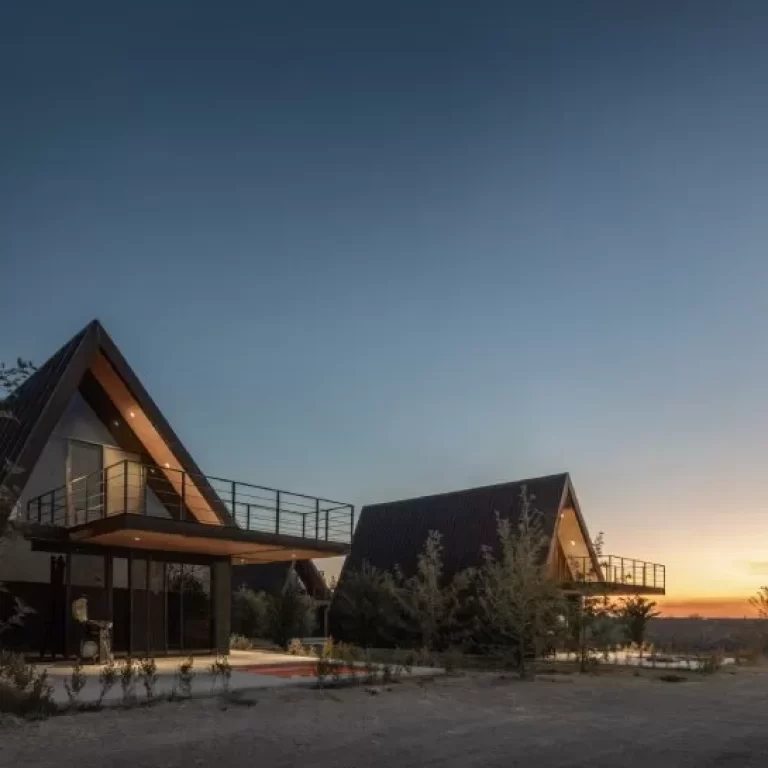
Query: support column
x=221 y=604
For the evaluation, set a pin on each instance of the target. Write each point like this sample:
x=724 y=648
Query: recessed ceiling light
x=132 y=414
x=116 y=423
x=293 y=555
x=167 y=465
x=137 y=538
x=573 y=543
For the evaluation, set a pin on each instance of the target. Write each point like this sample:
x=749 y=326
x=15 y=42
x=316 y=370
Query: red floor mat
x=308 y=669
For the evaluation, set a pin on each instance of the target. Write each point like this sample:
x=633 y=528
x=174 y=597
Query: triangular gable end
x=571 y=533
x=92 y=359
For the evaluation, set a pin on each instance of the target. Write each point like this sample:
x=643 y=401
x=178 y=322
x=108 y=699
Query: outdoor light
x=167 y=465
x=137 y=538
x=116 y=423
x=573 y=543
x=132 y=414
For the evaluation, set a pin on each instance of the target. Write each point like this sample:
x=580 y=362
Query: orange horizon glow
x=736 y=607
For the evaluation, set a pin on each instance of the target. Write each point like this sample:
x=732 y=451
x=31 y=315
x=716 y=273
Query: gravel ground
x=478 y=720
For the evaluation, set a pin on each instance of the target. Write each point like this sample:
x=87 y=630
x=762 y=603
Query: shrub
x=711 y=663
x=297 y=648
x=127 y=673
x=185 y=675
x=221 y=669
x=239 y=643
x=148 y=674
x=23 y=690
x=453 y=659
x=107 y=679
x=75 y=683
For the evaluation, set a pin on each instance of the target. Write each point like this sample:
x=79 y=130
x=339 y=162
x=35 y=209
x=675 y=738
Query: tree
x=634 y=614
x=423 y=599
x=250 y=611
x=290 y=614
x=760 y=602
x=518 y=598
x=592 y=621
x=365 y=605
x=10 y=380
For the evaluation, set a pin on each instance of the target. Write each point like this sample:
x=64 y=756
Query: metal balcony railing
x=617 y=572
x=130 y=487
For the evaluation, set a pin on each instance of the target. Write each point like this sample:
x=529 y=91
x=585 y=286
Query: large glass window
x=88 y=580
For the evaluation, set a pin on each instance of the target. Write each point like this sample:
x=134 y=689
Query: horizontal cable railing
x=130 y=487
x=615 y=571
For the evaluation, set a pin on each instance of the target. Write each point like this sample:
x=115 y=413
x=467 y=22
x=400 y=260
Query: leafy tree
x=592 y=622
x=518 y=598
x=424 y=600
x=290 y=614
x=250 y=612
x=760 y=602
x=10 y=379
x=634 y=614
x=366 y=605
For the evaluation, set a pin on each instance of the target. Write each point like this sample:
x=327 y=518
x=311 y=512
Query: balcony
x=130 y=488
x=615 y=575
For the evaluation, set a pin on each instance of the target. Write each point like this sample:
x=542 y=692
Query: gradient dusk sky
x=375 y=250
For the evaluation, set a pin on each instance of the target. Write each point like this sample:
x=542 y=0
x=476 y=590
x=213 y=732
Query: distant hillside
x=672 y=634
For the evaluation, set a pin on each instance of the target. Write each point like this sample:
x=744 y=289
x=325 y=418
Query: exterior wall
x=78 y=422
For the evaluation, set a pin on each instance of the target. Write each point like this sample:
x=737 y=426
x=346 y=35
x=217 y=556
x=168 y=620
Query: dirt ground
x=478 y=720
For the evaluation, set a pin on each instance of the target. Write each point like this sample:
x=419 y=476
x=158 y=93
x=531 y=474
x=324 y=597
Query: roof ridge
x=462 y=491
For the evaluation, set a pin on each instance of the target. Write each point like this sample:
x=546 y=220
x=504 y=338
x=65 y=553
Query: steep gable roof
x=38 y=404
x=394 y=533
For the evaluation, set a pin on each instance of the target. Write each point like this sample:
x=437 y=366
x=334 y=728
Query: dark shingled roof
x=19 y=445
x=394 y=533
x=38 y=404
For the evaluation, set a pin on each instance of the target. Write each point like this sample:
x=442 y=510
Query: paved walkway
x=284 y=671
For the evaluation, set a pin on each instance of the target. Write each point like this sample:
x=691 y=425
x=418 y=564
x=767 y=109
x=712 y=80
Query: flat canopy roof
x=128 y=531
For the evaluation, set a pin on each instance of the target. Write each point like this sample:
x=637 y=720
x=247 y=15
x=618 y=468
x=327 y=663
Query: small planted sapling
x=74 y=684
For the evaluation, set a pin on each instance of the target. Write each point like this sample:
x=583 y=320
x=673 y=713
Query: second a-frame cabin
x=112 y=507
x=392 y=535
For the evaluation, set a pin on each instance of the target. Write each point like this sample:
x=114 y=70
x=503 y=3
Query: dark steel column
x=67 y=602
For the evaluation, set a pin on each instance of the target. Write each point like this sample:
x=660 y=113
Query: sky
x=375 y=250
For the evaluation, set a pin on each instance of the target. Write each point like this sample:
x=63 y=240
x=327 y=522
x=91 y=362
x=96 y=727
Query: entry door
x=84 y=482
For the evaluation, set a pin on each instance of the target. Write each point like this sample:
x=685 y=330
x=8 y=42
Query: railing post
x=182 y=512
x=247 y=517
x=326 y=524
x=144 y=474
x=303 y=526
x=125 y=487
x=317 y=519
x=277 y=511
x=39 y=509
x=351 y=522
x=53 y=506
x=234 y=497
x=105 y=486
x=86 y=498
